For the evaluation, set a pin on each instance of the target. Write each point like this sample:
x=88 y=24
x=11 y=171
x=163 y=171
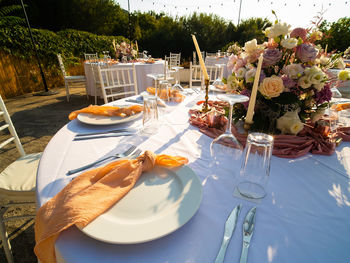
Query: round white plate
x=215 y=89
x=162 y=201
x=105 y=120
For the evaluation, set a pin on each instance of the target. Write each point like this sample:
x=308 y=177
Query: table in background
x=212 y=61
x=304 y=217
x=343 y=87
x=142 y=69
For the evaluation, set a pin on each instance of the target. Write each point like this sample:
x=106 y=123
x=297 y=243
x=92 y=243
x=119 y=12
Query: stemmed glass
x=226 y=148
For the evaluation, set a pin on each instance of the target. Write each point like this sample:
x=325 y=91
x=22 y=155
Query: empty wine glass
x=226 y=149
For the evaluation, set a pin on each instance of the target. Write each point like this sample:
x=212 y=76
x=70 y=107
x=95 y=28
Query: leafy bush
x=71 y=43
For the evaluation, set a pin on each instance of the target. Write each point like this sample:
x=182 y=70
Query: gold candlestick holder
x=247 y=126
x=205 y=105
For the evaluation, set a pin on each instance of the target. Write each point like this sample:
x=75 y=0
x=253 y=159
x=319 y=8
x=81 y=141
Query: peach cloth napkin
x=90 y=195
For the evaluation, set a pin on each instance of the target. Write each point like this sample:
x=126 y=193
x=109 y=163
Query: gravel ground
x=36 y=119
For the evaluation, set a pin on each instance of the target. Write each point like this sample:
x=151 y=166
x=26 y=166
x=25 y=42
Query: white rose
x=289 y=43
x=324 y=60
x=293 y=71
x=250 y=75
x=304 y=82
x=289 y=123
x=241 y=73
x=271 y=87
x=278 y=29
x=316 y=78
x=250 y=46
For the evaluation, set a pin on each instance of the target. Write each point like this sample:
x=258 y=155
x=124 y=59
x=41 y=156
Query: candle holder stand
x=205 y=105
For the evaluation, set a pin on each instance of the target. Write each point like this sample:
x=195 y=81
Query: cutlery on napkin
x=248 y=227
x=230 y=226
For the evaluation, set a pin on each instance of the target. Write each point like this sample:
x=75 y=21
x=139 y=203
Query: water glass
x=255 y=170
x=150 y=115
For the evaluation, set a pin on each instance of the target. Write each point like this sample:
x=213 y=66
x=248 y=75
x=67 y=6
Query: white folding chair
x=195 y=61
x=214 y=72
x=17 y=181
x=174 y=60
x=118 y=82
x=196 y=75
x=71 y=81
x=91 y=56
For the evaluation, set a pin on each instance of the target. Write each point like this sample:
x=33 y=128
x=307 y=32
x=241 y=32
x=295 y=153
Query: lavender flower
x=324 y=95
x=288 y=82
x=271 y=57
x=306 y=52
x=246 y=93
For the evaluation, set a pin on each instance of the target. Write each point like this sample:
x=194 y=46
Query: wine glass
x=226 y=149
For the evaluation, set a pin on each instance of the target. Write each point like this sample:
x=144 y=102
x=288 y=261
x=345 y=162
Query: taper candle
x=250 y=111
x=201 y=61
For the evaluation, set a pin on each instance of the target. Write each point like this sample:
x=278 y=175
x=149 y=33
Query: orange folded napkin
x=341 y=106
x=108 y=111
x=90 y=195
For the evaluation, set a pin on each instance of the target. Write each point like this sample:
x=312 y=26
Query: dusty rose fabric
x=285 y=146
x=89 y=195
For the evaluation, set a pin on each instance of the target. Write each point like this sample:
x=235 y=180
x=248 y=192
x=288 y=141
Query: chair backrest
x=9 y=125
x=174 y=60
x=90 y=56
x=214 y=72
x=196 y=74
x=117 y=82
x=195 y=60
x=60 y=62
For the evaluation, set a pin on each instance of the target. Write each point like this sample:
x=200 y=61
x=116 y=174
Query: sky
x=297 y=13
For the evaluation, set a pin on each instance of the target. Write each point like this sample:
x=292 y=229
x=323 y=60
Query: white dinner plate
x=162 y=201
x=215 y=89
x=105 y=120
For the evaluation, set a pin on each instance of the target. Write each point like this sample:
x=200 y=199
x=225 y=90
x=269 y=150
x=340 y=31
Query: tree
x=338 y=34
x=8 y=17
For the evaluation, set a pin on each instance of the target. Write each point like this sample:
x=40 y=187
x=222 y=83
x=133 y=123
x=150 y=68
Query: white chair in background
x=195 y=60
x=196 y=75
x=91 y=56
x=71 y=81
x=174 y=60
x=214 y=72
x=118 y=82
x=167 y=75
x=17 y=181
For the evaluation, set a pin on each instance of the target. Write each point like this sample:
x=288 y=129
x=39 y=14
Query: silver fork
x=117 y=156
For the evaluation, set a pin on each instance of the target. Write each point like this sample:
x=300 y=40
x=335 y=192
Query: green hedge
x=71 y=43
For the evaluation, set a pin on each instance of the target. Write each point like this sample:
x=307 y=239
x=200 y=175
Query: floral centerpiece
x=293 y=85
x=124 y=51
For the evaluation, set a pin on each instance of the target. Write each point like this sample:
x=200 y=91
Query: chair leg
x=4 y=238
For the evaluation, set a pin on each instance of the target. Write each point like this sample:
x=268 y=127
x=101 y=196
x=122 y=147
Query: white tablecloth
x=304 y=217
x=142 y=70
x=212 y=61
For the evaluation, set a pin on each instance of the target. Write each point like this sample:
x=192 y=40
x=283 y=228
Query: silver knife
x=248 y=227
x=229 y=228
x=104 y=132
x=88 y=137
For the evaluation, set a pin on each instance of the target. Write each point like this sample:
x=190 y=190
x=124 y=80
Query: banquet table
x=212 y=61
x=142 y=69
x=303 y=218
